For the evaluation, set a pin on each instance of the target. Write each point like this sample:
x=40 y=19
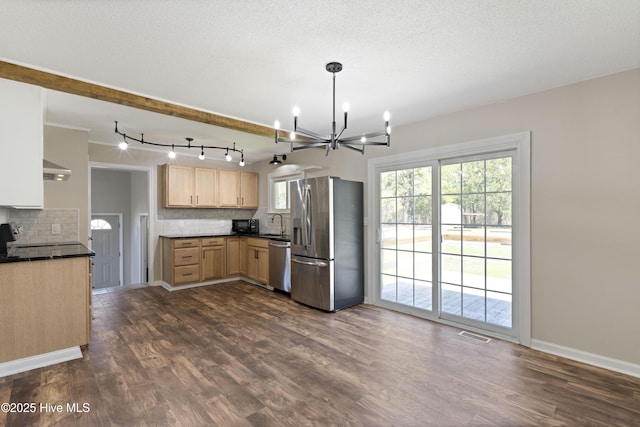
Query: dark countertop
x=44 y=251
x=278 y=237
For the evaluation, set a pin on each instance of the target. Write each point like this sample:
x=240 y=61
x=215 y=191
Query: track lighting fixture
x=172 y=154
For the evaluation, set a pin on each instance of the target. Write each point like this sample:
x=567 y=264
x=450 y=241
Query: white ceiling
x=256 y=59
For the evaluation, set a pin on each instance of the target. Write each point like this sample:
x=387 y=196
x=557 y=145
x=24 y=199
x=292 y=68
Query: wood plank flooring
x=239 y=355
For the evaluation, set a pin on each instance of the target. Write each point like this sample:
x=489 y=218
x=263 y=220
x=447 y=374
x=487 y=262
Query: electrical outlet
x=55 y=228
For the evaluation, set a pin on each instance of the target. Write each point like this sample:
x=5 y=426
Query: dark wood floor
x=237 y=354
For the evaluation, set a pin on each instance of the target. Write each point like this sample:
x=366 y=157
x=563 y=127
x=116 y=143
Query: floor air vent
x=475 y=337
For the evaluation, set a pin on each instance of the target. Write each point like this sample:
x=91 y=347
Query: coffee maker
x=6 y=236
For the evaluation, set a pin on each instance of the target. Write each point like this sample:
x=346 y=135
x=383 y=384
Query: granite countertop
x=278 y=237
x=44 y=251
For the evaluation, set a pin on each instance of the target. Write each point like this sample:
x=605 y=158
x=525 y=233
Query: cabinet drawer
x=259 y=243
x=186 y=256
x=186 y=274
x=212 y=241
x=186 y=243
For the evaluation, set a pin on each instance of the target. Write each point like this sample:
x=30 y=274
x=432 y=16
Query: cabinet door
x=21 y=121
x=243 y=253
x=252 y=263
x=178 y=186
x=263 y=265
x=206 y=187
x=212 y=262
x=233 y=256
x=228 y=188
x=248 y=190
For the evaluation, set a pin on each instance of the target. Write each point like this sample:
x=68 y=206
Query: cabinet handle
x=197 y=200
x=191 y=200
x=187 y=256
x=188 y=274
x=242 y=198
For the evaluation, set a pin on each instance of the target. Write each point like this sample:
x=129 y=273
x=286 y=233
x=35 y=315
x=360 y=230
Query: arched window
x=100 y=224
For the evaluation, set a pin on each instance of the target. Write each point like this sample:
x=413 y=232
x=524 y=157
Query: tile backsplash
x=190 y=227
x=45 y=225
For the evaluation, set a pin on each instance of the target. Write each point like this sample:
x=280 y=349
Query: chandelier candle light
x=172 y=154
x=334 y=140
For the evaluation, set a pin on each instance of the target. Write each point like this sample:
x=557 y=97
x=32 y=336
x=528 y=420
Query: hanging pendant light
x=334 y=140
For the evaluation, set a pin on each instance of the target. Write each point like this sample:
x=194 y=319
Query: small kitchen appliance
x=6 y=236
x=245 y=226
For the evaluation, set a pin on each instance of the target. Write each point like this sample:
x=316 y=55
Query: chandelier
x=172 y=154
x=334 y=140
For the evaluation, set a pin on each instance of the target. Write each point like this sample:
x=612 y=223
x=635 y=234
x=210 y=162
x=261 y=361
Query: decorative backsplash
x=193 y=226
x=267 y=226
x=45 y=225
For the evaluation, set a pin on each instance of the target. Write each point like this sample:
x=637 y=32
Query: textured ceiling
x=255 y=60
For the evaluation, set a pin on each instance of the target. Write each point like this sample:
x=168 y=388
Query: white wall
x=584 y=203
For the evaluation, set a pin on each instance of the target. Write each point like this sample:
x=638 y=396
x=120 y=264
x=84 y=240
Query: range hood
x=53 y=172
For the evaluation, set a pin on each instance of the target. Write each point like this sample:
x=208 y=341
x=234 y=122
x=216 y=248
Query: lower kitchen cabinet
x=44 y=306
x=258 y=260
x=234 y=261
x=187 y=261
x=213 y=258
x=181 y=261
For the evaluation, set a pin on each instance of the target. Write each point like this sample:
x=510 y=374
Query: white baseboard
x=589 y=358
x=39 y=361
x=211 y=282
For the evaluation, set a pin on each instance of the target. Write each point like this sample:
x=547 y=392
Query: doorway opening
x=117 y=188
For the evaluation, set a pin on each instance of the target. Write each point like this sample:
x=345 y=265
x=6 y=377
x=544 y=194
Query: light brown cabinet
x=180 y=261
x=236 y=256
x=190 y=260
x=206 y=187
x=238 y=189
x=191 y=187
x=178 y=186
x=44 y=306
x=213 y=258
x=258 y=260
x=188 y=187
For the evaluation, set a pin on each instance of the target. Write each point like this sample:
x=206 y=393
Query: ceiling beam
x=77 y=87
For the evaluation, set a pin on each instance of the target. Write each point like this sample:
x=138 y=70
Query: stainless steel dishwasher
x=280 y=265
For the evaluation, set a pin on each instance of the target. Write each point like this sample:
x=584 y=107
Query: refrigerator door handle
x=306 y=217
x=311 y=263
x=309 y=218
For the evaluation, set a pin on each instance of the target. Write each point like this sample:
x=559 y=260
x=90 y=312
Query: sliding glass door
x=406 y=218
x=464 y=274
x=476 y=252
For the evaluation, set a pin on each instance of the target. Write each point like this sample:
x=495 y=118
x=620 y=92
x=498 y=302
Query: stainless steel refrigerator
x=327 y=243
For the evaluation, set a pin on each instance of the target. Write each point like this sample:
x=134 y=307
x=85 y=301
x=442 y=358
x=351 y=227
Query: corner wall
x=69 y=148
x=584 y=203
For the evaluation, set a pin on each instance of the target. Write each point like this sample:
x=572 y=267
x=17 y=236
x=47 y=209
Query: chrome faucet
x=281 y=224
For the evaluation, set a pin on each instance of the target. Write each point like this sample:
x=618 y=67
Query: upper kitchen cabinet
x=187 y=187
x=238 y=189
x=21 y=121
